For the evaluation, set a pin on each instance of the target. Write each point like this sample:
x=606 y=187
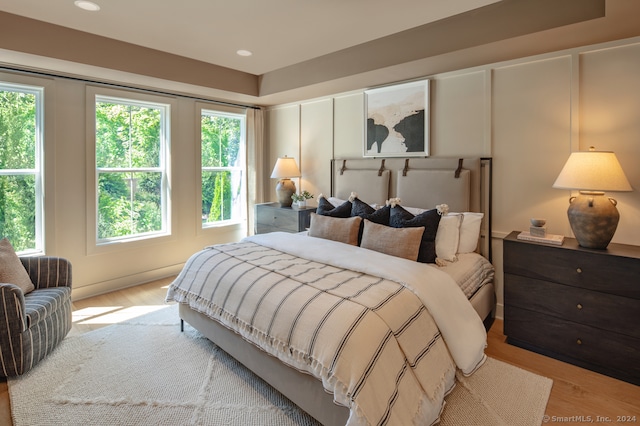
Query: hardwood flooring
x=578 y=396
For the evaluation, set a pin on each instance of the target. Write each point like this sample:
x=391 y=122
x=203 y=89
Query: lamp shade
x=285 y=167
x=593 y=171
x=592 y=216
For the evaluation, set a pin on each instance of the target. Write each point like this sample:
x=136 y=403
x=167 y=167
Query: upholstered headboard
x=462 y=183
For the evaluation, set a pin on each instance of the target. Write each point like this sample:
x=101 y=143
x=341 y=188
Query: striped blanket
x=334 y=311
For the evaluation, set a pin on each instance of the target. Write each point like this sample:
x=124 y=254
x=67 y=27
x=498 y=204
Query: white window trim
x=35 y=87
x=94 y=94
x=203 y=108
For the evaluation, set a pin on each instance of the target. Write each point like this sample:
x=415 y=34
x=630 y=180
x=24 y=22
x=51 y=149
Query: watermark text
x=590 y=419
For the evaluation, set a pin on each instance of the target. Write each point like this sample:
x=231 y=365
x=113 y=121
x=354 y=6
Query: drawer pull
x=579 y=306
x=579 y=341
x=579 y=270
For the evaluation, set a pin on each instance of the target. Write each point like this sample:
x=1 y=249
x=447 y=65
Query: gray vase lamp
x=285 y=169
x=592 y=216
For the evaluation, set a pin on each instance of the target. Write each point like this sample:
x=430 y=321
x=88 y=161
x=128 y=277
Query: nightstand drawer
x=270 y=217
x=590 y=347
x=598 y=270
x=605 y=311
x=278 y=219
x=264 y=229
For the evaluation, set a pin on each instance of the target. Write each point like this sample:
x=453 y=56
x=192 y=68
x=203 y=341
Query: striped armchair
x=32 y=324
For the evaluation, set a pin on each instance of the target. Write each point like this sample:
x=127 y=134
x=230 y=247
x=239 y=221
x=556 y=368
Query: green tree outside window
x=20 y=186
x=222 y=156
x=130 y=166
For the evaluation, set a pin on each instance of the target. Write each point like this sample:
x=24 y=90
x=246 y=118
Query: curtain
x=255 y=164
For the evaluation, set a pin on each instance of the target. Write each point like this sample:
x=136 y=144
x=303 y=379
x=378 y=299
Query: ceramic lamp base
x=593 y=218
x=284 y=190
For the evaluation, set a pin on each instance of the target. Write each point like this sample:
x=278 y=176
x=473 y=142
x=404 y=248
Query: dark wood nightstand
x=575 y=304
x=271 y=217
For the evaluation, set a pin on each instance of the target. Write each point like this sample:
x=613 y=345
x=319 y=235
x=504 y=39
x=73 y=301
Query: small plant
x=303 y=196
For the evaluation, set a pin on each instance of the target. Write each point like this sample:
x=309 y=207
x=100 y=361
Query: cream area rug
x=146 y=372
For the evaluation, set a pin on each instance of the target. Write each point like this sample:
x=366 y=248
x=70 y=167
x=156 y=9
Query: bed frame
x=462 y=183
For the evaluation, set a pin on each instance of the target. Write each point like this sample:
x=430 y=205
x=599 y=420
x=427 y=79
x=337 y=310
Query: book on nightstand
x=556 y=240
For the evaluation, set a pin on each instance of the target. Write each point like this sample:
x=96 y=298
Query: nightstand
x=271 y=217
x=575 y=304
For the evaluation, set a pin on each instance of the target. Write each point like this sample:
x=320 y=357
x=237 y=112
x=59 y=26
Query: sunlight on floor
x=93 y=311
x=112 y=314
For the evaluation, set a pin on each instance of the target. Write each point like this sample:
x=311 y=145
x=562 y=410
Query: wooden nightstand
x=271 y=217
x=574 y=304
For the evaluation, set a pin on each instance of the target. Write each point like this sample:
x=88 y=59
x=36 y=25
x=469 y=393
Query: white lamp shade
x=285 y=167
x=593 y=171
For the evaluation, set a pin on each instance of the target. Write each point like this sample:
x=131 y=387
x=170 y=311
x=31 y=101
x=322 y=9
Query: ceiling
x=302 y=49
x=278 y=32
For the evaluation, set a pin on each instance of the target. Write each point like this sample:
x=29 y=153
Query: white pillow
x=336 y=201
x=415 y=210
x=467 y=239
x=448 y=236
x=469 y=232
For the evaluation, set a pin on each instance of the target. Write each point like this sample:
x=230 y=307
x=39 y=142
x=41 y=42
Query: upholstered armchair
x=32 y=324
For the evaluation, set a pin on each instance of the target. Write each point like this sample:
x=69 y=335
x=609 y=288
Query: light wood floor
x=578 y=396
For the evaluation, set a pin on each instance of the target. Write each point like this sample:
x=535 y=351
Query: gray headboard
x=462 y=183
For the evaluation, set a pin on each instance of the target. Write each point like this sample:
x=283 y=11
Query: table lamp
x=592 y=216
x=285 y=169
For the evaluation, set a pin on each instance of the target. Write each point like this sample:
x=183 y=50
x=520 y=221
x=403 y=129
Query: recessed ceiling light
x=243 y=52
x=87 y=5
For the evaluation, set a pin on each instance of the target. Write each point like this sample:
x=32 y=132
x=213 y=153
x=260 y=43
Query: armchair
x=33 y=324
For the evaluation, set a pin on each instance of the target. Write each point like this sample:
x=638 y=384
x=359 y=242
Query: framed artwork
x=397 y=120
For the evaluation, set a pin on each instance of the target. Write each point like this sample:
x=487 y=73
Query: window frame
x=221 y=111
x=38 y=90
x=168 y=107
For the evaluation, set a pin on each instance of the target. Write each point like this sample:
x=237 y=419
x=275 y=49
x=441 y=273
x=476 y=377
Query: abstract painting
x=397 y=120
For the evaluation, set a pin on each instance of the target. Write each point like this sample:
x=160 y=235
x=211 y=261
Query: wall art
x=397 y=120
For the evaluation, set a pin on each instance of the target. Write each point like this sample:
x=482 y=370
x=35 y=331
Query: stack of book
x=547 y=239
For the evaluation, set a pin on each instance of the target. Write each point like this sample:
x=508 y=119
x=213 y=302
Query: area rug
x=146 y=372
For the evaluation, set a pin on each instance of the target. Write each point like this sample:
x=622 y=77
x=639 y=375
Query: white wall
x=527 y=114
x=283 y=126
x=316 y=138
x=66 y=176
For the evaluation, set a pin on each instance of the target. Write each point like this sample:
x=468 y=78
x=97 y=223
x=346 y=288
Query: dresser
x=270 y=217
x=575 y=304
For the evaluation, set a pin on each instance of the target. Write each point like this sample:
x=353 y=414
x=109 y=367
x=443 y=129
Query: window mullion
x=222 y=143
x=22 y=207
x=132 y=199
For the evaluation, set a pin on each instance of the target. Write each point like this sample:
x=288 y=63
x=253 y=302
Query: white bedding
x=420 y=386
x=463 y=331
x=471 y=271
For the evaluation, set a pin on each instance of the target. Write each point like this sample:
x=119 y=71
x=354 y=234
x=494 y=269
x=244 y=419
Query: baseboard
x=499 y=311
x=96 y=289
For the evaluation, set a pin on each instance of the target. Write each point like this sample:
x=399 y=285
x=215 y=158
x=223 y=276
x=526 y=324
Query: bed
x=400 y=361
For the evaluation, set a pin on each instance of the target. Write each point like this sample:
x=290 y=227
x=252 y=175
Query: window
x=21 y=193
x=131 y=149
x=222 y=137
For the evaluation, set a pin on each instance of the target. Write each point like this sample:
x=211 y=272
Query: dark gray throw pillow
x=400 y=218
x=325 y=208
x=365 y=211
